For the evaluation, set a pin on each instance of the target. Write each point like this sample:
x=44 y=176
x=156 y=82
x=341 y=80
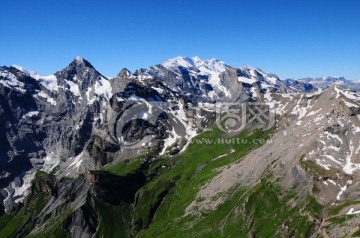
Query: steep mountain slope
x=324 y=127
x=53 y=125
x=70 y=121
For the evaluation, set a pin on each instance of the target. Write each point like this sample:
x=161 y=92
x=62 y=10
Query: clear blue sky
x=291 y=38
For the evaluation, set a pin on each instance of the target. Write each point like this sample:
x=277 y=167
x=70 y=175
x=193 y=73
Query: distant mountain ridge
x=325 y=82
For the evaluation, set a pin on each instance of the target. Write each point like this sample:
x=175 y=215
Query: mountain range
x=188 y=147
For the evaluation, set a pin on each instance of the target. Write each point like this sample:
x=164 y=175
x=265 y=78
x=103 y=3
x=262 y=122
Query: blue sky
x=287 y=37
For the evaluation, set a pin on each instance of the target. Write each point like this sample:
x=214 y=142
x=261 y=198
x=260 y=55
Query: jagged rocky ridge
x=328 y=81
x=72 y=124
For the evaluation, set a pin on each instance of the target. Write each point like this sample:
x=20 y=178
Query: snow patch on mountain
x=103 y=88
x=74 y=164
x=352 y=211
x=205 y=67
x=22 y=189
x=48 y=81
x=74 y=88
x=9 y=80
x=349 y=104
x=49 y=99
x=170 y=140
x=343 y=189
x=31 y=114
x=247 y=80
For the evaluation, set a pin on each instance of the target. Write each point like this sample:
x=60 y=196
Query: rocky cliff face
x=51 y=119
x=77 y=119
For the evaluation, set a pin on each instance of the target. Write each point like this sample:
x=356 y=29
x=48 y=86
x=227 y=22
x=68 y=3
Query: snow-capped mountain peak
x=179 y=61
x=81 y=62
x=247 y=67
x=79 y=59
x=192 y=76
x=210 y=66
x=213 y=80
x=255 y=72
x=205 y=67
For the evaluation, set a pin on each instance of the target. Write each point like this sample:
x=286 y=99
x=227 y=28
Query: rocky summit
x=185 y=148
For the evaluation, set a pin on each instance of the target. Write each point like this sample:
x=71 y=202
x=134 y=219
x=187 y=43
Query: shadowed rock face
x=40 y=121
x=77 y=200
x=299 y=85
x=105 y=185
